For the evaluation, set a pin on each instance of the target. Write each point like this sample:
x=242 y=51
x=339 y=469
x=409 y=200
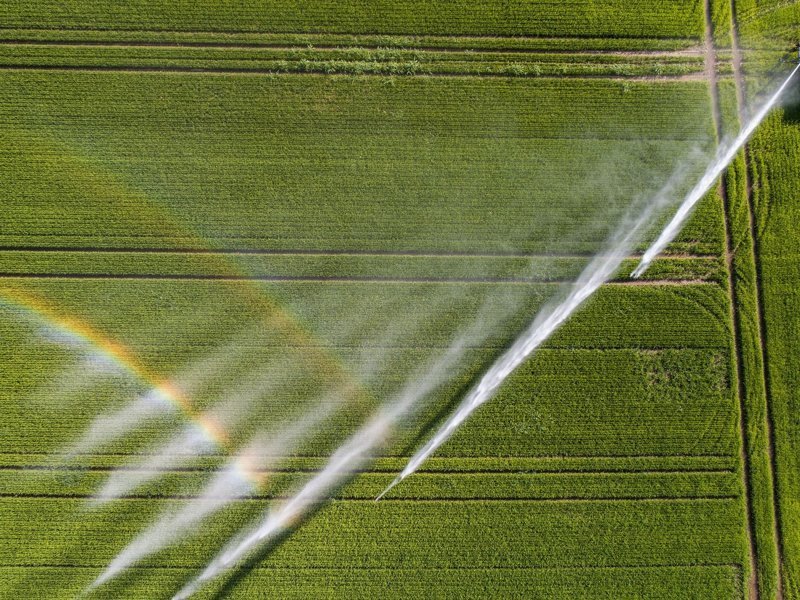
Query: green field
x=314 y=198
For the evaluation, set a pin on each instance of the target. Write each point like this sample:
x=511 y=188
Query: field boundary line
x=698 y=76
x=378 y=471
x=761 y=324
x=341 y=279
x=334 y=252
x=259 y=567
x=691 y=52
x=370 y=498
x=405 y=458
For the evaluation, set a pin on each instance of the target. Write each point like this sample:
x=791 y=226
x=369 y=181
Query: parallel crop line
x=687 y=52
x=338 y=279
x=318 y=457
x=349 y=252
x=761 y=330
x=382 y=471
x=371 y=499
x=711 y=69
x=363 y=568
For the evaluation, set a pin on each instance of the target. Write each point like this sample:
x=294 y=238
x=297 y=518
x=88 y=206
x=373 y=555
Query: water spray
x=353 y=454
x=549 y=319
x=725 y=155
x=593 y=276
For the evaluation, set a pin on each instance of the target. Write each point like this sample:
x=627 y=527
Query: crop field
x=240 y=193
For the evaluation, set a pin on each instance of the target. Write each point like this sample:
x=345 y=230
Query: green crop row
x=612 y=18
x=652 y=403
x=427 y=486
x=768 y=23
x=672 y=316
x=640 y=316
x=708 y=582
x=338 y=266
x=399 y=534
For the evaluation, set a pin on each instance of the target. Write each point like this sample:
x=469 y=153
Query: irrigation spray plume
x=153 y=404
x=231 y=483
x=726 y=153
x=244 y=475
x=207 y=434
x=111 y=427
x=601 y=268
x=351 y=456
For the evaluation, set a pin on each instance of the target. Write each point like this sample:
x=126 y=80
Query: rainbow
x=96 y=177
x=117 y=354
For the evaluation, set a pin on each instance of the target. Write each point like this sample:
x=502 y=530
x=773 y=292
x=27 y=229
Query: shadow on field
x=791 y=105
x=243 y=570
x=438 y=418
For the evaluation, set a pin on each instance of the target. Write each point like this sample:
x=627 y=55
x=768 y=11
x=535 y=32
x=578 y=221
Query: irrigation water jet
x=597 y=272
x=351 y=456
x=726 y=153
x=245 y=474
x=359 y=448
x=550 y=318
x=108 y=428
x=227 y=485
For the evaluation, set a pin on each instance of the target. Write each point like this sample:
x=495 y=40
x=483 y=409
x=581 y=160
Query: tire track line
x=258 y=567
x=370 y=498
x=689 y=53
x=711 y=73
x=346 y=252
x=321 y=72
x=342 y=279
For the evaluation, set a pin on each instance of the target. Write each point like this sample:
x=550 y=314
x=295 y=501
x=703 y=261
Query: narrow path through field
x=322 y=72
x=711 y=74
x=761 y=322
x=370 y=498
x=258 y=567
x=515 y=472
